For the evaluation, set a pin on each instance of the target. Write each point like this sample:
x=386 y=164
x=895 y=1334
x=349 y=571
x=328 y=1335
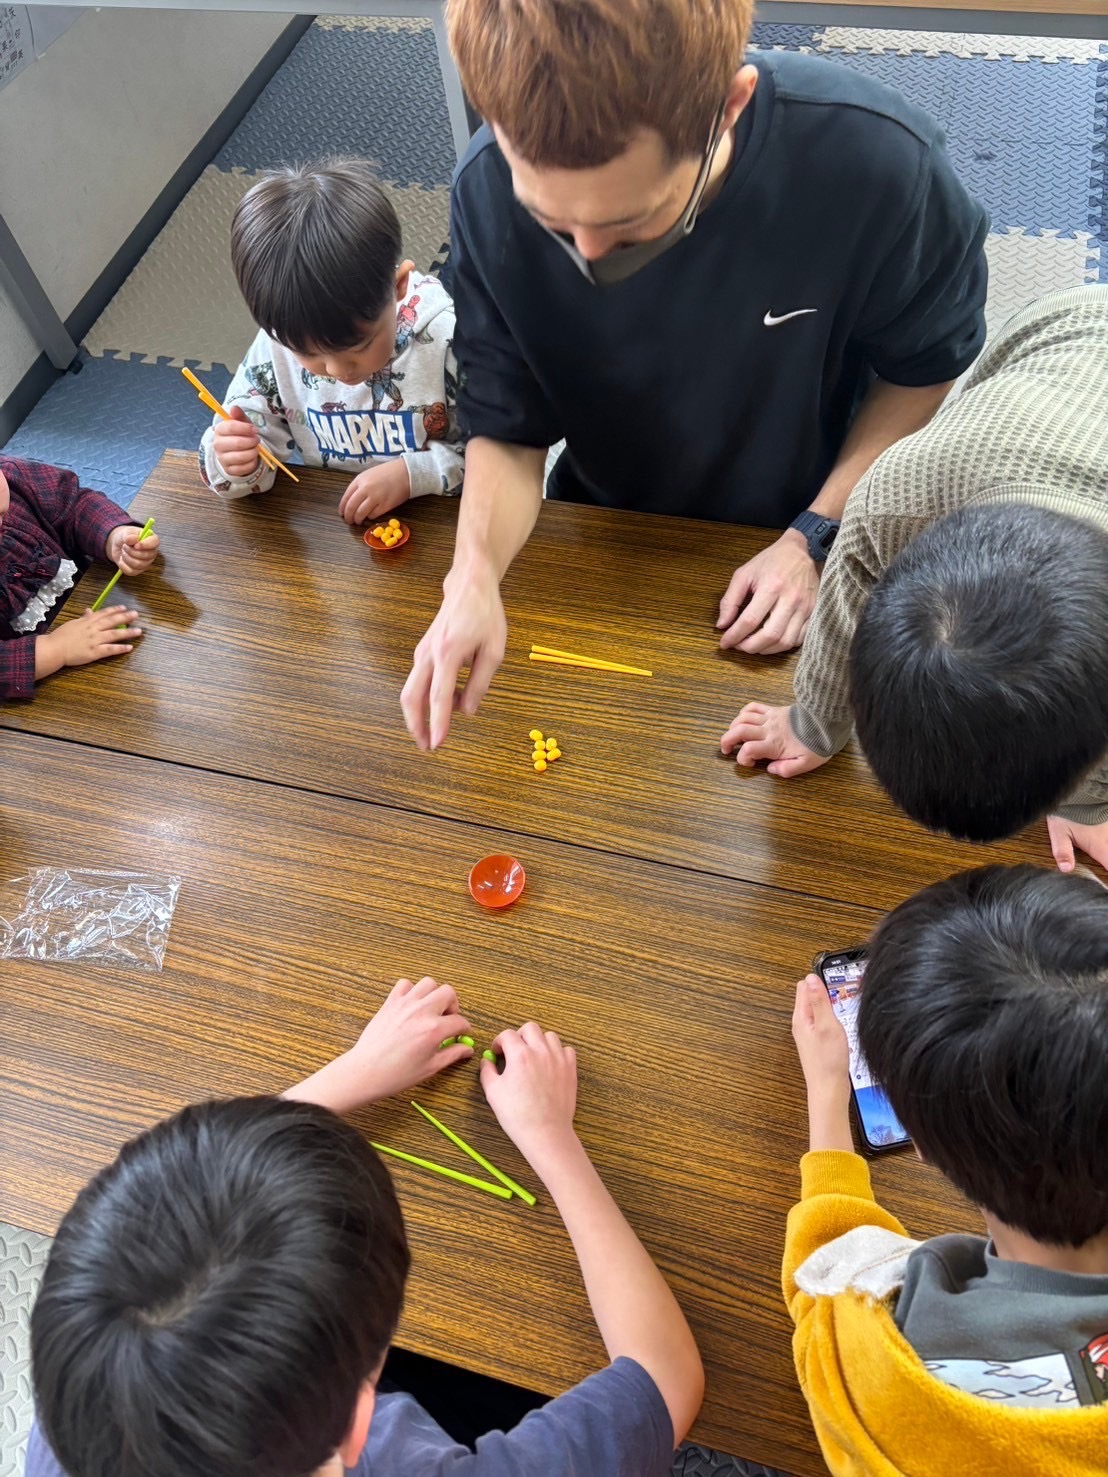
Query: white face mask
x=625 y=261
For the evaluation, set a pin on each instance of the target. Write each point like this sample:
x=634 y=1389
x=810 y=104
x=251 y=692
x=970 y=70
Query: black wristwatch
x=819 y=531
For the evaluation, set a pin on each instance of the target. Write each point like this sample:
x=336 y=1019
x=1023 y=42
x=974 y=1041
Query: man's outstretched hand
x=761 y=732
x=471 y=631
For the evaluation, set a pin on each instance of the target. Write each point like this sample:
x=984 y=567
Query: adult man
x=749 y=369
x=962 y=622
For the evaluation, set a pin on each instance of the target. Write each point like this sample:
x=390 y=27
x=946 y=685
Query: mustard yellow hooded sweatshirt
x=877 y=1410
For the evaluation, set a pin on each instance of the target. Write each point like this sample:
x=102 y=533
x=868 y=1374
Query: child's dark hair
x=216 y=1297
x=979 y=668
x=315 y=249
x=985 y=1018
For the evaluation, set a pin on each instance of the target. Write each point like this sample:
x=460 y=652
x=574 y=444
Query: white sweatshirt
x=406 y=409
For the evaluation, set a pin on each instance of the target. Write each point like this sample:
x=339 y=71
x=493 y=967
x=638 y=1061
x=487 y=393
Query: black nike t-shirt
x=719 y=382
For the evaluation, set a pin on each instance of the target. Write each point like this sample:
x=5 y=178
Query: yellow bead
x=553 y=753
x=540 y=765
x=394 y=522
x=378 y=532
x=538 y=754
x=536 y=735
x=552 y=743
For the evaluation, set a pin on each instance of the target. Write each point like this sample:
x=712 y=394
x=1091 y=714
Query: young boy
x=962 y=623
x=354 y=365
x=219 y=1301
x=984 y=1015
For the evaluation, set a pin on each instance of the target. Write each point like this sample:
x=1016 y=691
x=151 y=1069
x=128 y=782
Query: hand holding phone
x=842 y=975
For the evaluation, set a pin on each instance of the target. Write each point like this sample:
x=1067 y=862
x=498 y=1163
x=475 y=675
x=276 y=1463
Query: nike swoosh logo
x=771 y=322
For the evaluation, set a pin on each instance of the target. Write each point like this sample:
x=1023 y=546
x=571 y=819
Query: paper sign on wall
x=16 y=46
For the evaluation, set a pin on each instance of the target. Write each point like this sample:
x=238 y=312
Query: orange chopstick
x=213 y=405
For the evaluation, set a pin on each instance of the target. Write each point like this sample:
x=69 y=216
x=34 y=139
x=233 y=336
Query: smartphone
x=842 y=974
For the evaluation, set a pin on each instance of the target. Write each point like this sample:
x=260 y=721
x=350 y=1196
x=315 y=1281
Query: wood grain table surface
x=277 y=645
x=296 y=913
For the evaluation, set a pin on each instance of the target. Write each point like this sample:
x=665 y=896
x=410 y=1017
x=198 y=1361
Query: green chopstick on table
x=110 y=586
x=513 y=1188
x=451 y=1174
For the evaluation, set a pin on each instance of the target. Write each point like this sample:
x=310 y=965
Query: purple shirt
x=51 y=518
x=614 y=1424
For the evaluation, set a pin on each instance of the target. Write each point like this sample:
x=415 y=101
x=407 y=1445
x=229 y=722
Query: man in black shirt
x=729 y=287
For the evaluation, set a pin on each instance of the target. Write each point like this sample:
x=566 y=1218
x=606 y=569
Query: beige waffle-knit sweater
x=1031 y=425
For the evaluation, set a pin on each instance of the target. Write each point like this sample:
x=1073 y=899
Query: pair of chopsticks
x=214 y=406
x=506 y=1188
x=147 y=529
x=573 y=659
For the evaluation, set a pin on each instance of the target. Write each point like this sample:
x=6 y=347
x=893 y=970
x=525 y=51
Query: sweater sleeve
x=439 y=465
x=835 y=1196
x=254 y=390
x=1088 y=804
x=821 y=716
x=83 y=519
x=17 y=667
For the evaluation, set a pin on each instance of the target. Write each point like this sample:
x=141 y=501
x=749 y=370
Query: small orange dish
x=381 y=546
x=496 y=881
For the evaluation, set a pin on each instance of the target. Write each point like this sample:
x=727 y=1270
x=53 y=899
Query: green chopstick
x=514 y=1189
x=451 y=1174
x=110 y=586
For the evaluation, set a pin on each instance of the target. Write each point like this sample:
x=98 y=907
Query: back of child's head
x=985 y=1018
x=215 y=1298
x=979 y=669
x=315 y=248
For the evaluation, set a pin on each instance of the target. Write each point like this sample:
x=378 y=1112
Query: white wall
x=92 y=131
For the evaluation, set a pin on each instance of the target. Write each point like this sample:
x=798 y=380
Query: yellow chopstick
x=524 y=1195
x=592 y=661
x=589 y=665
x=214 y=406
x=451 y=1174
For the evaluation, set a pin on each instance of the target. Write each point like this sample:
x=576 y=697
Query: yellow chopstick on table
x=451 y=1174
x=514 y=1189
x=574 y=659
x=214 y=406
x=148 y=528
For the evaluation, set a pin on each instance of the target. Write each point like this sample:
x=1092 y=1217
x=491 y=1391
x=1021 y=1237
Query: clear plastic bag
x=70 y=913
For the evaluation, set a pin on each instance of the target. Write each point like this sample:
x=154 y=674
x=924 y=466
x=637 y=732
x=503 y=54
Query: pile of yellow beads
x=389 y=533
x=545 y=752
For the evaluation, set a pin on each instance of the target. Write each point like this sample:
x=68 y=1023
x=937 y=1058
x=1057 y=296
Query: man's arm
x=502 y=498
x=780 y=584
x=637 y=1315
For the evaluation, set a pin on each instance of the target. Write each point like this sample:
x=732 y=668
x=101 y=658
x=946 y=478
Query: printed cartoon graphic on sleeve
x=1092 y=1371
x=405 y=326
x=263 y=382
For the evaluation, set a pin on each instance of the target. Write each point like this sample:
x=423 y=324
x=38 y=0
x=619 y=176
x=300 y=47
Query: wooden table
x=278 y=645
x=671 y=903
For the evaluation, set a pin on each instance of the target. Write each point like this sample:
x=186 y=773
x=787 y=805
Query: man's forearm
x=500 y=503
x=886 y=415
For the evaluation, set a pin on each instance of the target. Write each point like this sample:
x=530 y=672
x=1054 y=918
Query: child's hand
x=824 y=1055
x=821 y=1042
x=376 y=492
x=236 y=444
x=400 y=1047
x=87 y=639
x=535 y=1096
x=125 y=549
x=761 y=732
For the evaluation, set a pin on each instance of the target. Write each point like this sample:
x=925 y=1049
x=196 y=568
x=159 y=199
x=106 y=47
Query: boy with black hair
x=353 y=366
x=218 y=1302
x=962 y=619
x=984 y=1016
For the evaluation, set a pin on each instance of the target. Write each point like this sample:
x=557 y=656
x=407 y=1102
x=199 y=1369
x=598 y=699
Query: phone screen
x=842 y=974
